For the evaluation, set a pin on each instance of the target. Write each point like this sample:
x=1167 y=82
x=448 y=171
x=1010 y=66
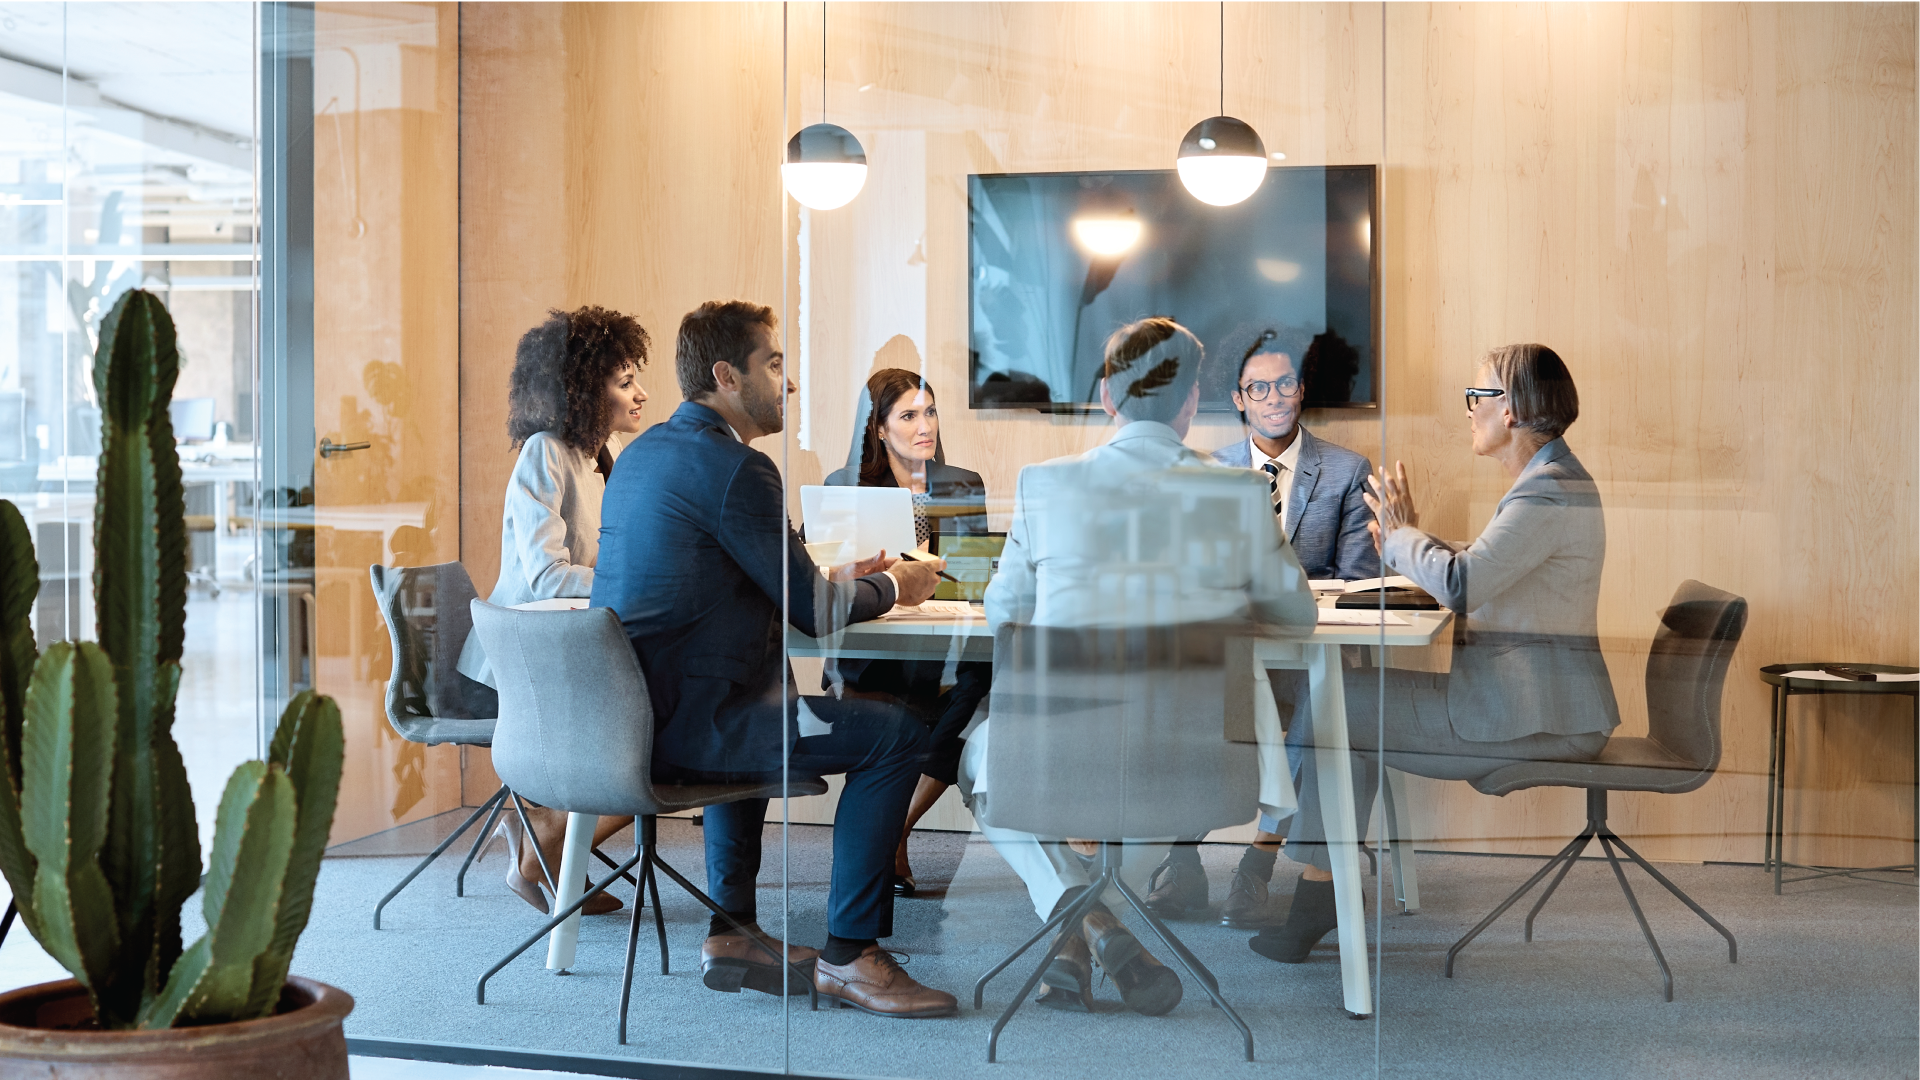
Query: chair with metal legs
x=1114 y=735
x=1686 y=670
x=576 y=734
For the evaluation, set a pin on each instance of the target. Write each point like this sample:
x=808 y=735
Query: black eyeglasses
x=1475 y=393
x=1258 y=391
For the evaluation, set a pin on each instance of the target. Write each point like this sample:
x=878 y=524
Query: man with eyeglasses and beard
x=1317 y=490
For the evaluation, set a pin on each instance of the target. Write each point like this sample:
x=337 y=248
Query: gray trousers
x=1410 y=728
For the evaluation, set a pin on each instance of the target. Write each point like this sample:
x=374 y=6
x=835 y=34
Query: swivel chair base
x=492 y=808
x=647 y=856
x=1071 y=915
x=1597 y=829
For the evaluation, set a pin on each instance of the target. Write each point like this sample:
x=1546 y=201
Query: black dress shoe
x=1145 y=984
x=1247 y=907
x=1068 y=981
x=901 y=886
x=1309 y=919
x=1178 y=886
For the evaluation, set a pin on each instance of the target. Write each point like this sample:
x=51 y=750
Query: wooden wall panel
x=1708 y=209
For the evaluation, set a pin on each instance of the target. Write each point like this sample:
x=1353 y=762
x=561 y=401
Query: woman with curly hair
x=576 y=384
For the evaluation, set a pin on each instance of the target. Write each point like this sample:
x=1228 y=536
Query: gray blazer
x=1526 y=656
x=1326 y=517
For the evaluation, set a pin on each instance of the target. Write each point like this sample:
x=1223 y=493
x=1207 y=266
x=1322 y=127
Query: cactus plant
x=97 y=833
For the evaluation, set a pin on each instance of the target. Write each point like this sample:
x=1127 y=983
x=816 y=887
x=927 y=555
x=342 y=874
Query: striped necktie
x=1273 y=469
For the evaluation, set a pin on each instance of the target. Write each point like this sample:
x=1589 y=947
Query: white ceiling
x=191 y=62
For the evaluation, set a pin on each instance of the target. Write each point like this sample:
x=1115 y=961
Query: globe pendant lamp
x=1222 y=160
x=826 y=166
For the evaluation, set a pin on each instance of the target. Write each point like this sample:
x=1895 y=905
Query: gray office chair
x=1107 y=734
x=1686 y=669
x=576 y=734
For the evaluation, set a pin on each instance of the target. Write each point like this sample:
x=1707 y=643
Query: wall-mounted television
x=1058 y=261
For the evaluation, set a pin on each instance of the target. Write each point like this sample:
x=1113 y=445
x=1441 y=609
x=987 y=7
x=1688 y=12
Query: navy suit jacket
x=1326 y=517
x=694 y=543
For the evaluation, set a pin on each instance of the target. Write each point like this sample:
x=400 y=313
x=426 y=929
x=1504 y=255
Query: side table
x=1790 y=680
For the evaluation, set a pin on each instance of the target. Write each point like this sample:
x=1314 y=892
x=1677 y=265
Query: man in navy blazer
x=1317 y=490
x=697 y=558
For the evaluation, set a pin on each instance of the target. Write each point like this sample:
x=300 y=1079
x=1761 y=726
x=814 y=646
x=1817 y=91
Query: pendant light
x=826 y=166
x=1222 y=160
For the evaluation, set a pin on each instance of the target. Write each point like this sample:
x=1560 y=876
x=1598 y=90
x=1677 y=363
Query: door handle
x=328 y=447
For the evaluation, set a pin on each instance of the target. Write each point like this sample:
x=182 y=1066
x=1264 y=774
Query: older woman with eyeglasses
x=1528 y=682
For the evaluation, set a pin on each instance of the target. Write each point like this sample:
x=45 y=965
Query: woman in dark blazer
x=899 y=446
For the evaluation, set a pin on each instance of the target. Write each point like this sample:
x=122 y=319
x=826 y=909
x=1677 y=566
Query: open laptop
x=873 y=519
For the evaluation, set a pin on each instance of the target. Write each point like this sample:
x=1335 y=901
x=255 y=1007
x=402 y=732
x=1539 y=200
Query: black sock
x=1258 y=863
x=718 y=924
x=1185 y=853
x=842 y=950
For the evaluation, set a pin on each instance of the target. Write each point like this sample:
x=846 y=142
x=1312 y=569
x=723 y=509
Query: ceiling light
x=1222 y=160
x=1107 y=236
x=825 y=168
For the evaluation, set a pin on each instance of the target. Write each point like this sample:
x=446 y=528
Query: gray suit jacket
x=1142 y=531
x=1526 y=656
x=1326 y=517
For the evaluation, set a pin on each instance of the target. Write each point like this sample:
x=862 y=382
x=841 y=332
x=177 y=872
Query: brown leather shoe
x=1145 y=984
x=874 y=982
x=1068 y=981
x=752 y=960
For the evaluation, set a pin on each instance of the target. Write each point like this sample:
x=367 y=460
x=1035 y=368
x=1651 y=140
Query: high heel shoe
x=529 y=891
x=1311 y=918
x=532 y=891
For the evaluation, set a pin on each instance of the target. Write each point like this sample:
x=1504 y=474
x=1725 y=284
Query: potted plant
x=97 y=832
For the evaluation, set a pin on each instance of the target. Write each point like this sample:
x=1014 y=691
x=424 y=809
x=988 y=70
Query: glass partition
x=127 y=162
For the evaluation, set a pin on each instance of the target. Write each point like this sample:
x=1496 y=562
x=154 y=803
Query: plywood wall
x=1708 y=209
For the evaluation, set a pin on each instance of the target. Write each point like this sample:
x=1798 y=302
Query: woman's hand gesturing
x=1391 y=501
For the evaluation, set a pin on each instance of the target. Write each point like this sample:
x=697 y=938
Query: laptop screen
x=971 y=560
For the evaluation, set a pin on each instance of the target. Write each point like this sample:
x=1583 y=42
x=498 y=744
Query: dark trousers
x=1418 y=738
x=880 y=748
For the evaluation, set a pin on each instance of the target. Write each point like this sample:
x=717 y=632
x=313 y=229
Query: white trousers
x=1048 y=866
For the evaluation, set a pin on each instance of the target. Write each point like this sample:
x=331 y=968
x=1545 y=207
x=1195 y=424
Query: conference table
x=914 y=636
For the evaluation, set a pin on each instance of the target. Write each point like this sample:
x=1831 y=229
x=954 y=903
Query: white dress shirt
x=1288 y=461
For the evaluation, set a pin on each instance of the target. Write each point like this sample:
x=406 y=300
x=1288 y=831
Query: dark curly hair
x=560 y=373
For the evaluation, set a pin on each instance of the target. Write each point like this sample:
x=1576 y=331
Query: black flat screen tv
x=1051 y=273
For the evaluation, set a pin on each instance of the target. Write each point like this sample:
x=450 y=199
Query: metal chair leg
x=1192 y=963
x=1666 y=973
x=659 y=918
x=498 y=801
x=1496 y=913
x=1074 y=912
x=424 y=863
x=980 y=985
x=480 y=990
x=1568 y=856
x=1733 y=947
x=633 y=942
x=533 y=841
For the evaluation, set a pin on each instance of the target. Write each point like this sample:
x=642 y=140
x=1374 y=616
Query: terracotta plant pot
x=303 y=1041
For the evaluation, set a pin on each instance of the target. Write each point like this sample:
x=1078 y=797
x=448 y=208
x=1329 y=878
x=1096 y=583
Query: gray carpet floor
x=1828 y=982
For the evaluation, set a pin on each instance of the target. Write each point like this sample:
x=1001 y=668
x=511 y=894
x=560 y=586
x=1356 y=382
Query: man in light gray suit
x=1318 y=493
x=1082 y=551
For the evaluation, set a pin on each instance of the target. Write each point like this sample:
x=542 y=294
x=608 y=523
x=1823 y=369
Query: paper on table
x=1823 y=676
x=1366 y=584
x=1326 y=585
x=1360 y=617
x=560 y=603
x=937 y=609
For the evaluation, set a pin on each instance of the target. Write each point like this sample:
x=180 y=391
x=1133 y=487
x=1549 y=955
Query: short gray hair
x=1539 y=388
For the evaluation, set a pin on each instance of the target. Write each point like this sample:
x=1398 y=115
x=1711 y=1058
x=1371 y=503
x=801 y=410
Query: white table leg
x=1333 y=762
x=1276 y=780
x=573 y=876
